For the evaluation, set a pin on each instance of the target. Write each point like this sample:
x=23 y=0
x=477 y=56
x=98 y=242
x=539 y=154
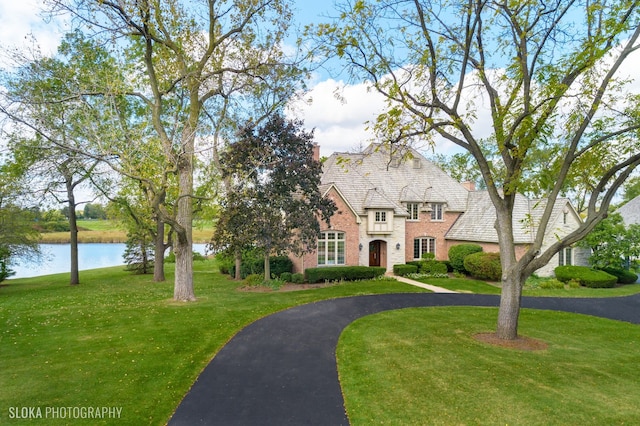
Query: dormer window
x=437 y=210
x=381 y=217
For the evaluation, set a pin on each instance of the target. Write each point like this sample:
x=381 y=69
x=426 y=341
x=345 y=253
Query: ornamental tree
x=275 y=202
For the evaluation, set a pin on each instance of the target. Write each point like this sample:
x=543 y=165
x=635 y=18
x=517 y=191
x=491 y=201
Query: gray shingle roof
x=630 y=212
x=478 y=222
x=372 y=180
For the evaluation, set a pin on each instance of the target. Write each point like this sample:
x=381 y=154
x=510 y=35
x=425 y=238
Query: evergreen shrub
x=286 y=277
x=404 y=270
x=457 y=254
x=484 y=266
x=343 y=273
x=586 y=276
x=623 y=276
x=433 y=267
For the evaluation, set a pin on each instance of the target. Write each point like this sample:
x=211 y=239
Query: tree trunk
x=509 y=311
x=267 y=267
x=73 y=236
x=238 y=274
x=159 y=249
x=183 y=248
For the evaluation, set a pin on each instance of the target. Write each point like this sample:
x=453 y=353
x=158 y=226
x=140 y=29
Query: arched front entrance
x=378 y=253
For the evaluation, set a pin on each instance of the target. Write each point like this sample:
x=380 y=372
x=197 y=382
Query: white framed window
x=565 y=256
x=414 y=211
x=437 y=211
x=381 y=217
x=422 y=246
x=331 y=248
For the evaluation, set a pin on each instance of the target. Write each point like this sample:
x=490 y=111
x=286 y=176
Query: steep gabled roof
x=374 y=179
x=478 y=222
x=630 y=212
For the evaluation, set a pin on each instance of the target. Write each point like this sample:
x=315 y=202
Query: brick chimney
x=470 y=186
x=316 y=152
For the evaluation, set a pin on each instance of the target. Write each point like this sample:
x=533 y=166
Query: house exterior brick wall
x=343 y=220
x=426 y=227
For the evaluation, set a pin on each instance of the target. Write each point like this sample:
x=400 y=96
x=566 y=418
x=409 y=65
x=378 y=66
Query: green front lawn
x=119 y=340
x=434 y=372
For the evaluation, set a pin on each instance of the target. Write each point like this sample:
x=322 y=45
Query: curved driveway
x=281 y=370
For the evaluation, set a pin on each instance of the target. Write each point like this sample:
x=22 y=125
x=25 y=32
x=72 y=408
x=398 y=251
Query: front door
x=374 y=253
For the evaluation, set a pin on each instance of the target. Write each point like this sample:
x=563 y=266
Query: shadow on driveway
x=281 y=370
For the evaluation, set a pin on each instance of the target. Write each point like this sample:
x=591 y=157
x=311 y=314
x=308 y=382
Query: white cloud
x=339 y=112
x=22 y=18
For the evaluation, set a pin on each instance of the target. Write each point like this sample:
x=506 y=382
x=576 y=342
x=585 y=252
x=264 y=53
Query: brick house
x=392 y=210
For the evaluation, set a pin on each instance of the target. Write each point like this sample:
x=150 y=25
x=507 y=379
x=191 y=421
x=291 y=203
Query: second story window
x=437 y=211
x=381 y=217
x=414 y=211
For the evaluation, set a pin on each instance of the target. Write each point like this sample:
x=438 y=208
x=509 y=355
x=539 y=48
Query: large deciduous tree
x=548 y=73
x=184 y=51
x=50 y=119
x=275 y=201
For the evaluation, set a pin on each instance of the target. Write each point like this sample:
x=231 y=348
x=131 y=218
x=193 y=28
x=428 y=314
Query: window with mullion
x=331 y=248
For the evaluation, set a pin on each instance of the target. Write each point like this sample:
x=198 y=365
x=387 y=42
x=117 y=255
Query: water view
x=56 y=258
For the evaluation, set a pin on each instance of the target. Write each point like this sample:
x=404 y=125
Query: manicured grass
x=466 y=285
x=119 y=340
x=423 y=366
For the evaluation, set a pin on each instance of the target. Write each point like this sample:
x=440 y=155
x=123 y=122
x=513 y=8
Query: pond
x=56 y=258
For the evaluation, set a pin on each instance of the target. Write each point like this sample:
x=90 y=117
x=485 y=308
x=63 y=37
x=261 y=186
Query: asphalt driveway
x=281 y=370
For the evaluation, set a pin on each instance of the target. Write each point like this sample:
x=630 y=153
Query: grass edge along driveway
x=119 y=340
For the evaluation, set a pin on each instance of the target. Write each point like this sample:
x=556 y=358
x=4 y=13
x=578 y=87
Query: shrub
x=340 y=273
x=623 y=276
x=404 y=270
x=297 y=278
x=553 y=283
x=586 y=276
x=254 y=280
x=485 y=266
x=433 y=267
x=457 y=254
x=253 y=263
x=428 y=256
x=279 y=264
x=286 y=277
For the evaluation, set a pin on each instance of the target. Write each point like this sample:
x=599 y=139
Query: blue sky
x=340 y=125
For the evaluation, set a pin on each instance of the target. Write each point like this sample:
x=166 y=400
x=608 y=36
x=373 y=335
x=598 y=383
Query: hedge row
x=586 y=276
x=430 y=266
x=343 y=273
x=404 y=270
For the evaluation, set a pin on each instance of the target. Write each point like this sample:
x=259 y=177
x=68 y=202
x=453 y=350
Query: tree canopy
x=181 y=72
